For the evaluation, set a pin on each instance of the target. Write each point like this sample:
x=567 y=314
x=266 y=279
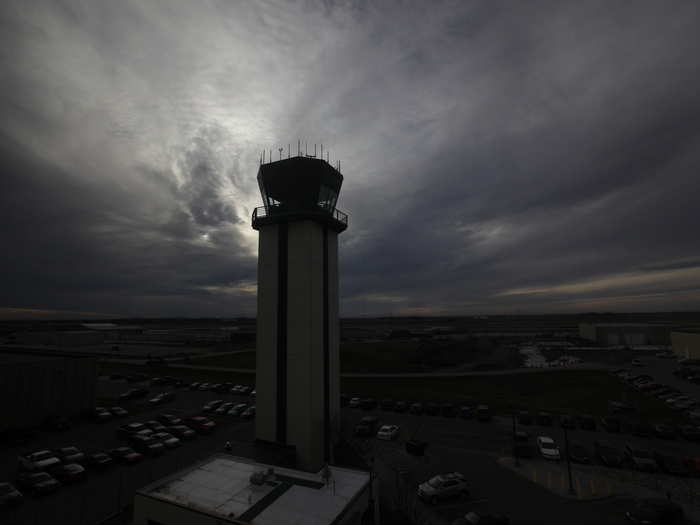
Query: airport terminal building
x=230 y=489
x=626 y=334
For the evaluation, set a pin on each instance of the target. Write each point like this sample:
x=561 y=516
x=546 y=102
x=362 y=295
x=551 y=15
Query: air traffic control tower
x=298 y=370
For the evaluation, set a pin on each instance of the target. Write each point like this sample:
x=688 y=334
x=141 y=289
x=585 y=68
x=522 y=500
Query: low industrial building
x=686 y=345
x=626 y=334
x=229 y=489
x=34 y=387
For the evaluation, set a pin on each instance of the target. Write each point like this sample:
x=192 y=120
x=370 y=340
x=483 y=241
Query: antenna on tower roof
x=321 y=150
x=263 y=157
x=314 y=150
x=280 y=150
x=306 y=149
x=288 y=150
x=298 y=148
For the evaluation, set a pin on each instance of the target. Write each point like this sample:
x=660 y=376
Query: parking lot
x=106 y=493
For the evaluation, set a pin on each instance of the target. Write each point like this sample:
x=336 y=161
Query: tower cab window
x=327 y=198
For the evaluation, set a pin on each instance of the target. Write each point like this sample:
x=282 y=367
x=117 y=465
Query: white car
x=388 y=432
x=548 y=448
x=354 y=402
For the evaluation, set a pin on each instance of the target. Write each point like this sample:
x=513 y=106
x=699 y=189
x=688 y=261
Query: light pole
x=568 y=462
x=515 y=452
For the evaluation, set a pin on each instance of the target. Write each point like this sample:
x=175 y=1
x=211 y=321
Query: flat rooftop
x=220 y=486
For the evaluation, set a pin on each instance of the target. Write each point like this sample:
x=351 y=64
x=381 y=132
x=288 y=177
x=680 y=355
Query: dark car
x=134 y=393
x=366 y=427
x=608 y=454
x=118 y=412
x=587 y=422
x=147 y=445
x=483 y=413
x=664 y=431
x=194 y=385
x=99 y=460
x=642 y=429
x=387 y=404
x=223 y=408
x=168 y=440
x=567 y=421
x=200 y=424
x=400 y=406
x=611 y=424
x=416 y=408
x=544 y=419
x=181 y=432
x=432 y=409
x=69 y=473
x=578 y=453
x=125 y=431
x=9 y=495
x=466 y=412
x=640 y=459
x=690 y=432
x=249 y=413
x=448 y=410
x=212 y=405
x=221 y=388
x=37 y=483
x=70 y=455
x=655 y=511
x=368 y=403
x=524 y=418
x=100 y=415
x=155 y=426
x=125 y=455
x=671 y=464
x=169 y=419
x=344 y=400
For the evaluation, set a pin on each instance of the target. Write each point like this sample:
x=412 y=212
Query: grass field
x=559 y=392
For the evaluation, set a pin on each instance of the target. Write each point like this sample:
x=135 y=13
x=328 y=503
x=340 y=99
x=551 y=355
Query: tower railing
x=262 y=212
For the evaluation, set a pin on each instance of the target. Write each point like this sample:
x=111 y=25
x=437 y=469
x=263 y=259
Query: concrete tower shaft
x=298 y=368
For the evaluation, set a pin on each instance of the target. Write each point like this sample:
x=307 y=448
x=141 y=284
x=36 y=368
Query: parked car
x=578 y=453
x=212 y=405
x=548 y=448
x=134 y=393
x=169 y=419
x=69 y=473
x=637 y=362
x=146 y=444
x=671 y=464
x=70 y=455
x=249 y=413
x=443 y=486
x=388 y=432
x=237 y=410
x=432 y=409
x=203 y=387
x=39 y=460
x=400 y=406
x=125 y=455
x=200 y=424
x=544 y=419
x=118 y=412
x=354 y=402
x=366 y=427
x=567 y=421
x=640 y=458
x=368 y=403
x=524 y=418
x=664 y=431
x=655 y=511
x=344 y=400
x=195 y=385
x=125 y=431
x=37 y=483
x=387 y=404
x=611 y=424
x=416 y=408
x=483 y=413
x=608 y=454
x=168 y=440
x=182 y=432
x=223 y=408
x=9 y=495
x=466 y=412
x=100 y=415
x=99 y=460
x=472 y=518
x=448 y=410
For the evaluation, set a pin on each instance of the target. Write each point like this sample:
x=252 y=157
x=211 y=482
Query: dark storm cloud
x=498 y=156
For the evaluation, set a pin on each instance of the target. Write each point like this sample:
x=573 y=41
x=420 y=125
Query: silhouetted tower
x=298 y=370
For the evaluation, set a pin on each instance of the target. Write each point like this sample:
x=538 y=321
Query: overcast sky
x=498 y=156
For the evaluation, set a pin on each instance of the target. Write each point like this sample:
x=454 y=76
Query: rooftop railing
x=262 y=212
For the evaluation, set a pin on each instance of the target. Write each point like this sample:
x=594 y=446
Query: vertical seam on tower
x=326 y=364
x=282 y=262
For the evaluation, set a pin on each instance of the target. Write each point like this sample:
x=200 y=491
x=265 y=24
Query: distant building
x=33 y=387
x=227 y=489
x=686 y=345
x=626 y=334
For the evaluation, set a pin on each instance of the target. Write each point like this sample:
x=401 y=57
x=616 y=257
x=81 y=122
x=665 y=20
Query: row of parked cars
x=480 y=412
x=221 y=408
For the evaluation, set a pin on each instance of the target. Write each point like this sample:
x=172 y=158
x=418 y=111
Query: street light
x=568 y=463
x=515 y=452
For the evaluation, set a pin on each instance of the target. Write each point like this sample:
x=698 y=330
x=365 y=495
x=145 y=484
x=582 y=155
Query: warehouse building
x=34 y=387
x=229 y=489
x=626 y=334
x=686 y=344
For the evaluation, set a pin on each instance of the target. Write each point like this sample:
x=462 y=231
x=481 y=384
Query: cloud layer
x=498 y=156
